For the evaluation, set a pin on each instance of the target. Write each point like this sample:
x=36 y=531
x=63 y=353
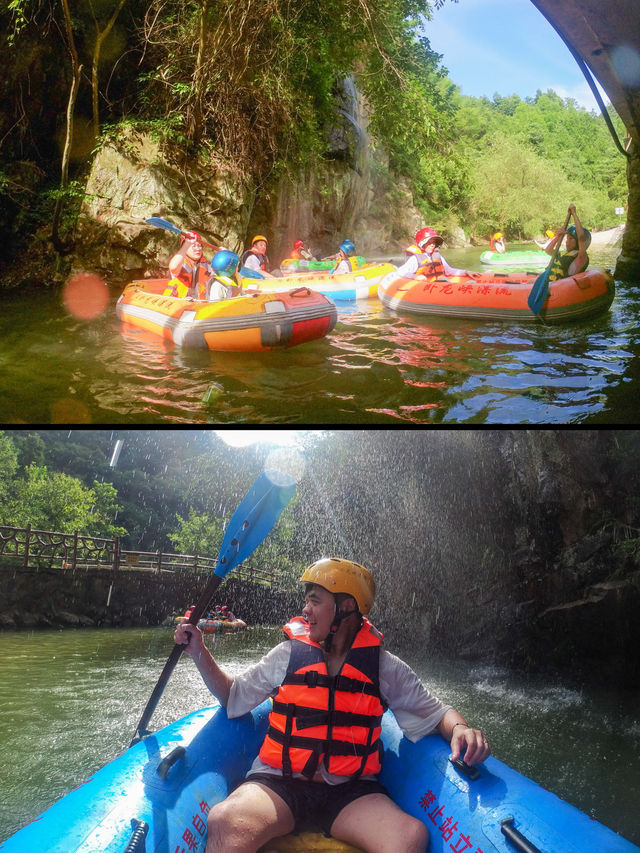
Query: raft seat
x=307 y=842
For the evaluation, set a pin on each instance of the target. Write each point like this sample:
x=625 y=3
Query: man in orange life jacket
x=189 y=268
x=331 y=681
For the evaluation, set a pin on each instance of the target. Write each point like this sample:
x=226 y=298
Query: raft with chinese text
x=249 y=323
x=163 y=787
x=498 y=296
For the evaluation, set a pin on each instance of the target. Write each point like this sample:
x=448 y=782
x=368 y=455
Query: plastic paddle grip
x=139 y=833
x=519 y=841
x=466 y=769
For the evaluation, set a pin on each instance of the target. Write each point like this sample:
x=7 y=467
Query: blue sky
x=505 y=46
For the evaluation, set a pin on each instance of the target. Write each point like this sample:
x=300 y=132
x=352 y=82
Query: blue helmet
x=347 y=247
x=225 y=262
x=587 y=235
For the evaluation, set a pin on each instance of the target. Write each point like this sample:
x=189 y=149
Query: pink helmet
x=427 y=235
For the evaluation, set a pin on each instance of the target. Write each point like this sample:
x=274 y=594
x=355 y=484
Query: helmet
x=587 y=235
x=497 y=235
x=259 y=237
x=225 y=262
x=190 y=235
x=298 y=244
x=337 y=575
x=347 y=246
x=549 y=234
x=426 y=235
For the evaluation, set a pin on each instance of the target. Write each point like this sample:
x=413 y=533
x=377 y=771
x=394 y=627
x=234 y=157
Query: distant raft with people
x=531 y=257
x=299 y=265
x=499 y=296
x=253 y=322
x=345 y=287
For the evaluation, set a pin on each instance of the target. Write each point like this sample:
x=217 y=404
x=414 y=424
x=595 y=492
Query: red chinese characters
x=193 y=834
x=448 y=828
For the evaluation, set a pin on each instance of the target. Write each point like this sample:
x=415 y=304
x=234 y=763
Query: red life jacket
x=430 y=265
x=321 y=718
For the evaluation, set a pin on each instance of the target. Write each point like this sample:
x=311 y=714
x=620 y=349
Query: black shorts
x=315 y=805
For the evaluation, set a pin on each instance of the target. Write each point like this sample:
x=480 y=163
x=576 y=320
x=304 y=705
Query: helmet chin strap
x=339 y=616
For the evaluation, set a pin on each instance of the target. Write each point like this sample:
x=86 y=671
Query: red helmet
x=298 y=244
x=427 y=235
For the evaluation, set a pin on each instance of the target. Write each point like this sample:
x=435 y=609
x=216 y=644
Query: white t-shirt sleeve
x=408 y=269
x=416 y=710
x=260 y=681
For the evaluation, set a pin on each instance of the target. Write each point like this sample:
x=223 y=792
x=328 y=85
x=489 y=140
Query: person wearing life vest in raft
x=423 y=259
x=299 y=252
x=575 y=258
x=256 y=258
x=331 y=680
x=189 y=269
x=497 y=244
x=344 y=263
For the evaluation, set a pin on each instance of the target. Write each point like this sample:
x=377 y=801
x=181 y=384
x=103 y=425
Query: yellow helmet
x=497 y=235
x=337 y=575
x=259 y=237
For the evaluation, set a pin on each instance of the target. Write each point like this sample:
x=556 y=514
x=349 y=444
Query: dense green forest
x=257 y=86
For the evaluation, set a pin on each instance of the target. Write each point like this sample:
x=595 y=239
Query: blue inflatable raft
x=156 y=796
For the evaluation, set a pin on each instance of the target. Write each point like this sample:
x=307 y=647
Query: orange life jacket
x=295 y=254
x=430 y=265
x=193 y=277
x=321 y=718
x=264 y=260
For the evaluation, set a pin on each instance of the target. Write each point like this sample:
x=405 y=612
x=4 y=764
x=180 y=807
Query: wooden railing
x=45 y=549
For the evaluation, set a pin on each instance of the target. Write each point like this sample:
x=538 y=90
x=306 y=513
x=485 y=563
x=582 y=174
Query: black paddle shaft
x=172 y=660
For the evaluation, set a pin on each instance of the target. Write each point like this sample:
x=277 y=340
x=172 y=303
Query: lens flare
x=85 y=296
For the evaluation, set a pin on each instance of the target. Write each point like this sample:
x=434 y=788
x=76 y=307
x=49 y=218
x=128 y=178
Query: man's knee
x=416 y=835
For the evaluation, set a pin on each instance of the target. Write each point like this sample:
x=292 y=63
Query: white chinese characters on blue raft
x=156 y=796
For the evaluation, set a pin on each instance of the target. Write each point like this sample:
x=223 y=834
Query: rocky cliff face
x=353 y=195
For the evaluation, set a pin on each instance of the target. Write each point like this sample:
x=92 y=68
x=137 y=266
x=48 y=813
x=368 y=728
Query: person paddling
x=189 y=269
x=331 y=681
x=575 y=258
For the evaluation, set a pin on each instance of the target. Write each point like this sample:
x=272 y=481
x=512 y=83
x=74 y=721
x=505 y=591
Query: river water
x=71 y=701
x=375 y=367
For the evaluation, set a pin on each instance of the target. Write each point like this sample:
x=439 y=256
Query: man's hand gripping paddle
x=249 y=525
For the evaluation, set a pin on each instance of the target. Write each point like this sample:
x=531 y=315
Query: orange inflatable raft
x=499 y=296
x=248 y=323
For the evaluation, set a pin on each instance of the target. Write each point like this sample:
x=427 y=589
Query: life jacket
x=496 y=245
x=220 y=287
x=560 y=267
x=193 y=279
x=430 y=266
x=412 y=250
x=296 y=255
x=264 y=260
x=331 y=719
x=353 y=264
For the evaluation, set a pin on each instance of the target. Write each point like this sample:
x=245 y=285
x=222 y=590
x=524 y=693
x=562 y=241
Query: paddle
x=540 y=289
x=157 y=222
x=249 y=525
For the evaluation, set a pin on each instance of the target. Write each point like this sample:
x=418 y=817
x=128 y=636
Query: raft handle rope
x=139 y=833
x=519 y=841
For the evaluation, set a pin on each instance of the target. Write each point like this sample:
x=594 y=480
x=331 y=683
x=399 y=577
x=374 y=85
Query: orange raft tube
x=499 y=296
x=252 y=323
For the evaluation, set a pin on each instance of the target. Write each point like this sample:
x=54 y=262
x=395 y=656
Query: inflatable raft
x=156 y=796
x=498 y=296
x=298 y=265
x=248 y=323
x=215 y=626
x=533 y=257
x=346 y=287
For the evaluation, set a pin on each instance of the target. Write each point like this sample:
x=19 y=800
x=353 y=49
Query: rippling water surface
x=71 y=701
x=375 y=367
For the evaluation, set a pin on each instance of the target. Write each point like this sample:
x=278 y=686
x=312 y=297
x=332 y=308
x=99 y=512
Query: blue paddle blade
x=254 y=518
x=157 y=222
x=539 y=292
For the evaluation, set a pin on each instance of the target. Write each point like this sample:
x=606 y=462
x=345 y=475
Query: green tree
x=198 y=534
x=8 y=466
x=56 y=501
